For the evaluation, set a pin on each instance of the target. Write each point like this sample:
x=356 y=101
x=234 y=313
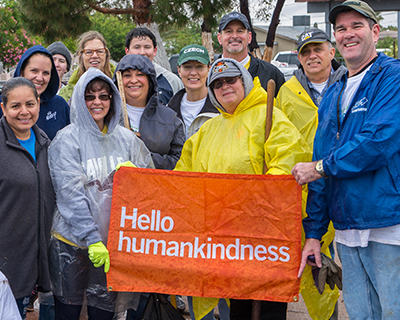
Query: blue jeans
x=371 y=280
x=222 y=308
x=22 y=304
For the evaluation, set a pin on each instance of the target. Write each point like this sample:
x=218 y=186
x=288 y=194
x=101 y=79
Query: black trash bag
x=159 y=308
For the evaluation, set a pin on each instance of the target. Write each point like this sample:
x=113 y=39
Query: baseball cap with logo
x=359 y=6
x=224 y=69
x=311 y=36
x=193 y=52
x=232 y=16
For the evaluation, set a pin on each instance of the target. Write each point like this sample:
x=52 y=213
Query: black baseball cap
x=232 y=16
x=311 y=36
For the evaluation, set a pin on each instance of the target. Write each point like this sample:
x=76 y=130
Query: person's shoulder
x=262 y=63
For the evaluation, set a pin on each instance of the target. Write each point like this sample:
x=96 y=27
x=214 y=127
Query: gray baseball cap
x=232 y=16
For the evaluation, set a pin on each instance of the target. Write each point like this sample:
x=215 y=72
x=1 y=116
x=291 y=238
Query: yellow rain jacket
x=236 y=144
x=298 y=106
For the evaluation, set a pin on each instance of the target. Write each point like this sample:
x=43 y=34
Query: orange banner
x=205 y=234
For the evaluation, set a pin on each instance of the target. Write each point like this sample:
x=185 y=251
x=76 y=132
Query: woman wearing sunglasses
x=157 y=125
x=93 y=52
x=82 y=159
x=234 y=142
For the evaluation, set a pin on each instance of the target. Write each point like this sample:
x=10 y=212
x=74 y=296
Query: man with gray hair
x=299 y=98
x=354 y=178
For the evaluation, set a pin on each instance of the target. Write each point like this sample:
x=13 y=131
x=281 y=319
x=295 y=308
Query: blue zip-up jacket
x=54 y=110
x=361 y=155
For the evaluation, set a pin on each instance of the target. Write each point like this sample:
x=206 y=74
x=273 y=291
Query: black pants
x=242 y=310
x=72 y=312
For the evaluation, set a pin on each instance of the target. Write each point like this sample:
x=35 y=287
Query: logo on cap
x=306 y=36
x=220 y=67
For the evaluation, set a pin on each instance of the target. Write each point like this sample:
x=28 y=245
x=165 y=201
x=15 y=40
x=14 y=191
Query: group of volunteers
x=333 y=128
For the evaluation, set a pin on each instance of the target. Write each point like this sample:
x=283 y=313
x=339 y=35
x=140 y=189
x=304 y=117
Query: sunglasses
x=90 y=52
x=217 y=84
x=102 y=97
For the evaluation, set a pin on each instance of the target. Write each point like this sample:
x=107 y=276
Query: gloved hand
x=329 y=273
x=99 y=255
x=125 y=164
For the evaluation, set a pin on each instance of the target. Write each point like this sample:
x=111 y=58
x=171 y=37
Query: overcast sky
x=291 y=8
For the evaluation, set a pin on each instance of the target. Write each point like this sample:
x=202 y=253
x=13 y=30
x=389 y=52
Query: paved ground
x=296 y=311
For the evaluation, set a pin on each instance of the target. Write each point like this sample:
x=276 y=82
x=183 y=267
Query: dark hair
x=140 y=33
x=26 y=61
x=13 y=83
x=151 y=90
x=85 y=38
x=98 y=84
x=371 y=22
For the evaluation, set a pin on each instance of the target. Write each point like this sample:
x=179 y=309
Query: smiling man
x=354 y=179
x=300 y=96
x=234 y=35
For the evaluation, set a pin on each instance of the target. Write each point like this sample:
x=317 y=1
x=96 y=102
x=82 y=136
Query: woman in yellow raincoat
x=234 y=142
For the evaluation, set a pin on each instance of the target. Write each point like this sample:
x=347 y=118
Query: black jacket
x=26 y=212
x=160 y=129
x=266 y=71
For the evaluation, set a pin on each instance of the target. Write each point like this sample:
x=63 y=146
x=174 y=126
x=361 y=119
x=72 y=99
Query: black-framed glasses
x=90 y=52
x=102 y=97
x=217 y=84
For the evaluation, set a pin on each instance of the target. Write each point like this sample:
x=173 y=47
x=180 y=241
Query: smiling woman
x=27 y=196
x=157 y=125
x=82 y=160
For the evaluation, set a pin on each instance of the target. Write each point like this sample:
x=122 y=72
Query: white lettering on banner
x=144 y=222
x=195 y=249
x=191 y=249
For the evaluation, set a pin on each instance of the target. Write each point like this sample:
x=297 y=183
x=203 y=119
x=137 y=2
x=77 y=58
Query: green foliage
x=176 y=38
x=55 y=19
x=182 y=12
x=114 y=30
x=14 y=39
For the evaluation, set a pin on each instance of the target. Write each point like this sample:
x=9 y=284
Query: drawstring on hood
x=79 y=112
x=246 y=76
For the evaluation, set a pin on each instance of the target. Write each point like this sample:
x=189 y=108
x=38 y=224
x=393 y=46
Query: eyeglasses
x=102 y=97
x=99 y=52
x=217 y=84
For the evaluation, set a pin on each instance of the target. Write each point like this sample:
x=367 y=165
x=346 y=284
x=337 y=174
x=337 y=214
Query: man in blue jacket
x=354 y=179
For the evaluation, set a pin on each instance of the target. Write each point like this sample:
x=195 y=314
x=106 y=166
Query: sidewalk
x=296 y=311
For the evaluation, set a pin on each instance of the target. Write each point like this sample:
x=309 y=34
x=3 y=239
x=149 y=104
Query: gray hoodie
x=82 y=160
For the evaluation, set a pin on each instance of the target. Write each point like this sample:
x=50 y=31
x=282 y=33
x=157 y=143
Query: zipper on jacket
x=338 y=110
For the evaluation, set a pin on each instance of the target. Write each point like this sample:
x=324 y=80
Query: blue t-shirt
x=29 y=144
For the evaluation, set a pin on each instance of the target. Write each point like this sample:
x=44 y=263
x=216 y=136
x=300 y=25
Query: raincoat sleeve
x=169 y=160
x=69 y=180
x=379 y=138
x=285 y=146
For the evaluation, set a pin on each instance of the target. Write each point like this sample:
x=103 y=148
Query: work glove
x=125 y=164
x=99 y=255
x=329 y=273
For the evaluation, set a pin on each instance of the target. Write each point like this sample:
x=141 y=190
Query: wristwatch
x=320 y=169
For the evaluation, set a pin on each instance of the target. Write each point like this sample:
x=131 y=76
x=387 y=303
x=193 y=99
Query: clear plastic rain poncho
x=82 y=161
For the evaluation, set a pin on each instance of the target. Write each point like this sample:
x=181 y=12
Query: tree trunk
x=269 y=43
x=253 y=46
x=207 y=42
